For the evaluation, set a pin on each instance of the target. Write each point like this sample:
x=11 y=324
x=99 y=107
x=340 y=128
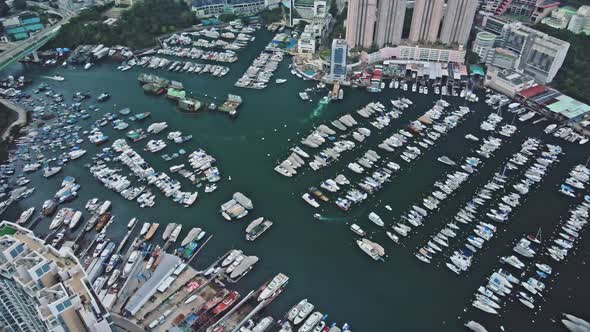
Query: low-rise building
x=306 y=45
x=417 y=53
x=207 y=8
x=44 y=289
x=529 y=11
x=580 y=22
x=502 y=58
x=560 y=18
x=554 y=104
x=507 y=81
x=124 y=3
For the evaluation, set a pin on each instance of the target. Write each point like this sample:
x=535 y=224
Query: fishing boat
x=175 y=233
x=188 y=250
x=131 y=223
x=25 y=216
x=168 y=230
x=192 y=234
x=376 y=219
x=256 y=228
x=103 y=97
x=357 y=229
x=151 y=231
x=214 y=301
x=372 y=249
x=446 y=160
x=103 y=220
x=226 y=303
x=273 y=286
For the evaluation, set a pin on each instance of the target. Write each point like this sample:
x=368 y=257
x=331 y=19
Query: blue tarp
x=34 y=27
x=31 y=20
x=15 y=30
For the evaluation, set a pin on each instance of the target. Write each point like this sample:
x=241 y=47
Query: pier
x=126 y=238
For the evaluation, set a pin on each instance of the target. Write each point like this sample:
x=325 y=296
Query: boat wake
x=322 y=106
x=332 y=220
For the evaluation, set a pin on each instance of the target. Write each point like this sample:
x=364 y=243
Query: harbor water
x=320 y=255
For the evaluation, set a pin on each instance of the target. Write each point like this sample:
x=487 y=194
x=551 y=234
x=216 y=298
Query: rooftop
x=513 y=76
x=68 y=281
x=531 y=92
x=556 y=102
x=569 y=107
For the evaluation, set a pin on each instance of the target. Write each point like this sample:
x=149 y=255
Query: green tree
x=273 y=15
x=20 y=4
x=333 y=8
x=573 y=78
x=472 y=57
x=138 y=27
x=4 y=9
x=227 y=17
x=301 y=25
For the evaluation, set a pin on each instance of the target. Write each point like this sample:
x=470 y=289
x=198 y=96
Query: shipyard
x=240 y=174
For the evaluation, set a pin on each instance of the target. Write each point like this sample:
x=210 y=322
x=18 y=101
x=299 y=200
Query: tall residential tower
x=457 y=22
x=390 y=22
x=360 y=23
x=426 y=20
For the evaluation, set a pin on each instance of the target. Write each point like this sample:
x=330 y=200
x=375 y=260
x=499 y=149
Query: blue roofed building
x=19 y=29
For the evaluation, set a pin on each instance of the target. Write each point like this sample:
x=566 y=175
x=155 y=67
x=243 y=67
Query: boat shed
x=149 y=288
x=554 y=104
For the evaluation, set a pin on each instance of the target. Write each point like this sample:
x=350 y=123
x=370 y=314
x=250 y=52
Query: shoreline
x=20 y=120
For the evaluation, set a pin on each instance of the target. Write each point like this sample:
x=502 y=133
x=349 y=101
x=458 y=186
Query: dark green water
x=321 y=257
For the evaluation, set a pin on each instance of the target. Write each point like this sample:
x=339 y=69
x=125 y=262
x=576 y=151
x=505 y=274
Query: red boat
x=226 y=303
x=214 y=301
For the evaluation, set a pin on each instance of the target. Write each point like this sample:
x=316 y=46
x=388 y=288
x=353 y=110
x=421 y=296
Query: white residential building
x=580 y=22
x=43 y=289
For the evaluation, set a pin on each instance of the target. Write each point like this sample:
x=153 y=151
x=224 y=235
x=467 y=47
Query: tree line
x=573 y=79
x=136 y=28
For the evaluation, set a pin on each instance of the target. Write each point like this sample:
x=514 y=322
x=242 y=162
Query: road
x=15 y=52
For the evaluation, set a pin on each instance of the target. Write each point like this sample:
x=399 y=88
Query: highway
x=21 y=48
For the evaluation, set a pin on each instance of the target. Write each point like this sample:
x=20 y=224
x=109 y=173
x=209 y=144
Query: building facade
x=419 y=53
x=539 y=55
x=531 y=11
x=483 y=45
x=493 y=24
x=306 y=45
x=338 y=60
x=208 y=8
x=390 y=22
x=560 y=18
x=426 y=20
x=458 y=21
x=507 y=81
x=43 y=289
x=360 y=23
x=580 y=22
